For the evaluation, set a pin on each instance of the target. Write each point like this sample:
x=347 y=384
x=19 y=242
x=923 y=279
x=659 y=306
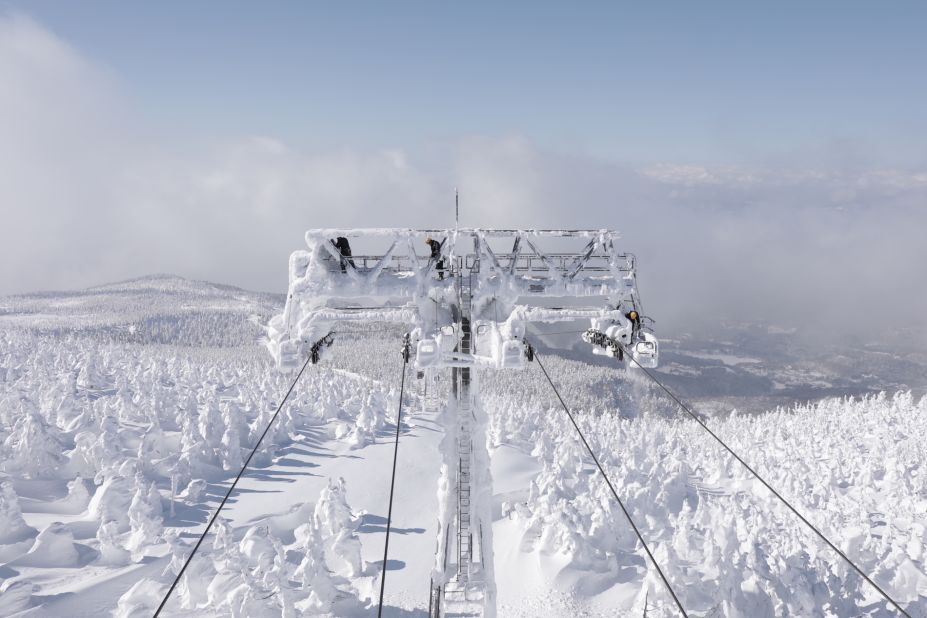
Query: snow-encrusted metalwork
x=468 y=300
x=512 y=280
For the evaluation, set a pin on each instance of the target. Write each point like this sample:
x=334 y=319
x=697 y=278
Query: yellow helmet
x=428 y=239
x=633 y=315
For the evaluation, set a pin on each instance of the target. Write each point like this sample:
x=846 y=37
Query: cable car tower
x=468 y=302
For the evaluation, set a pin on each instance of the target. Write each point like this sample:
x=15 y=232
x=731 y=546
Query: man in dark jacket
x=344 y=248
x=435 y=247
x=635 y=319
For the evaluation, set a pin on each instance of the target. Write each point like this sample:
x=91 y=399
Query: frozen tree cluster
x=117 y=429
x=857 y=468
x=126 y=411
x=269 y=570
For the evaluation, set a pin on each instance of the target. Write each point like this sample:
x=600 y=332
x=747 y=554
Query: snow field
x=113 y=456
x=116 y=446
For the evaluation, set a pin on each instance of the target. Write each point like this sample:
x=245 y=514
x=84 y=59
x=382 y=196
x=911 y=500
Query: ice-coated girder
x=393 y=277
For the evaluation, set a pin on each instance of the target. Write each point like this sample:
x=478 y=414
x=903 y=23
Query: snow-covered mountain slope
x=151 y=310
x=126 y=410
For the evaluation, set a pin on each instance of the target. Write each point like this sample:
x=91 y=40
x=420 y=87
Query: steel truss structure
x=468 y=304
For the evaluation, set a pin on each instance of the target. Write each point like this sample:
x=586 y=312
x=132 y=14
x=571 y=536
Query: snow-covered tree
x=112 y=552
x=32 y=449
x=15 y=534
x=145 y=516
x=338 y=524
x=111 y=501
x=313 y=572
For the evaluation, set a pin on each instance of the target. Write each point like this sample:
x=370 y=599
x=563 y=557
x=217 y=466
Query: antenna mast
x=456 y=209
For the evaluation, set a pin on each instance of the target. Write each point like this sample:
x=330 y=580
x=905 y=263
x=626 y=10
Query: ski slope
x=126 y=410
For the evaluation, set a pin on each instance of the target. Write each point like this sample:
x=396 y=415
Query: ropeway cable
x=767 y=485
x=392 y=483
x=230 y=490
x=612 y=488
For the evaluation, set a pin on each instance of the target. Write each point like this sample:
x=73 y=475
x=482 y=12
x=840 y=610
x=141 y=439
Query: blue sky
x=766 y=158
x=680 y=81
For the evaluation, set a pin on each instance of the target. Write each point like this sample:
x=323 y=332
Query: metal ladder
x=464 y=441
x=462 y=596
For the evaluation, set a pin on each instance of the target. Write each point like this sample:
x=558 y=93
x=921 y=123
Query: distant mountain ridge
x=164 y=309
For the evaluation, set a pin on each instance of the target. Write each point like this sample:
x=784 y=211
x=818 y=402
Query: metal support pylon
x=463 y=594
x=474 y=314
x=464 y=440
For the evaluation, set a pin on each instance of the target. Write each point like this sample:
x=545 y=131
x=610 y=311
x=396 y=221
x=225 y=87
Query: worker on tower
x=344 y=248
x=635 y=319
x=435 y=247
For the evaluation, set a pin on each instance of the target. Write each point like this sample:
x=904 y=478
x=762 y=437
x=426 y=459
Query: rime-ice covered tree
x=13 y=528
x=90 y=377
x=231 y=439
x=111 y=501
x=112 y=552
x=195 y=450
x=32 y=449
x=369 y=420
x=78 y=497
x=210 y=425
x=313 y=572
x=151 y=448
x=338 y=524
x=105 y=454
x=145 y=516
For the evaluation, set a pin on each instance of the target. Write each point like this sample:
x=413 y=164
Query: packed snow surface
x=126 y=411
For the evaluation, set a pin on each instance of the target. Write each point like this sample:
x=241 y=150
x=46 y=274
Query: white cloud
x=85 y=199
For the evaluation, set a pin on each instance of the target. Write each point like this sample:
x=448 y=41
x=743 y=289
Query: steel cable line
x=392 y=483
x=612 y=488
x=230 y=490
x=767 y=485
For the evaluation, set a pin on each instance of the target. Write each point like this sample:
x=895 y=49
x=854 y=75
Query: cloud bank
x=88 y=196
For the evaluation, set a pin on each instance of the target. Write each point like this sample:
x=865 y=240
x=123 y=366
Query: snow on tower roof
x=490 y=232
